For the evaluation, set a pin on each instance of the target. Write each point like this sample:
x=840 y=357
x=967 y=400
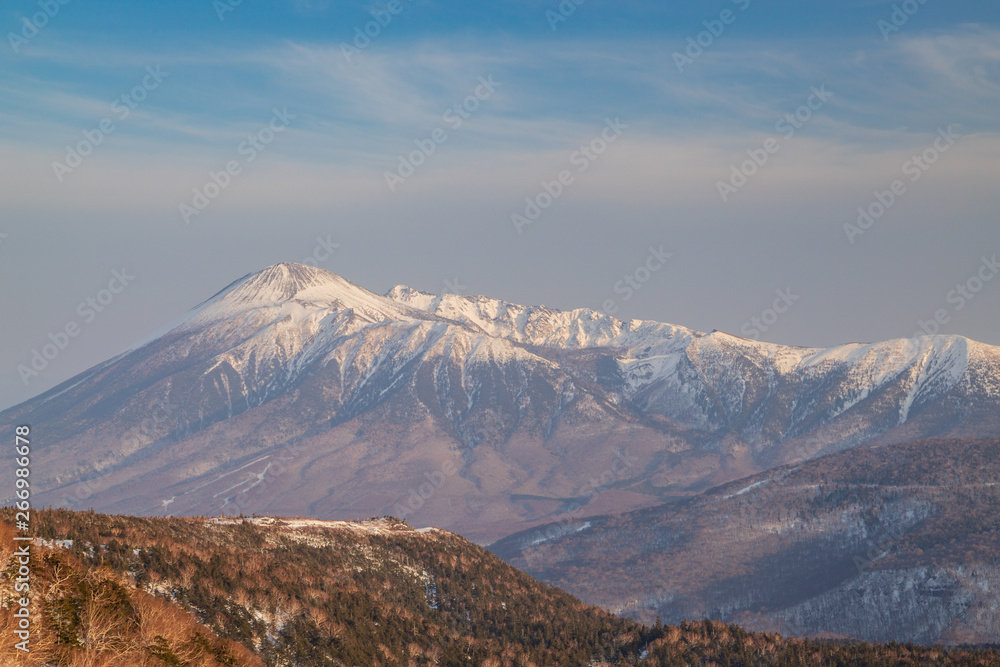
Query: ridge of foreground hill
x=85 y=616
x=897 y=542
x=116 y=590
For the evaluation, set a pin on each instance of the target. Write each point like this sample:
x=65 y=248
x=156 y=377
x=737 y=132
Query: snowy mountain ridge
x=532 y=401
x=304 y=315
x=649 y=353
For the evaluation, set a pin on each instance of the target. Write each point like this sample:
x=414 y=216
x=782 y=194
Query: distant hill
x=895 y=542
x=137 y=591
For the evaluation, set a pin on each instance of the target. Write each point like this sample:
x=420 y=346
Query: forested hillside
x=304 y=592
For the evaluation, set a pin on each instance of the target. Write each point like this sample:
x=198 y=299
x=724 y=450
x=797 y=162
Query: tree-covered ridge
x=83 y=615
x=380 y=593
x=882 y=542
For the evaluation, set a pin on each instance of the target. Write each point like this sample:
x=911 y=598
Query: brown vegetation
x=87 y=616
x=370 y=593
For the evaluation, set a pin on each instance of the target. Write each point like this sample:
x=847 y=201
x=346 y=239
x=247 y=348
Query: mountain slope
x=293 y=391
x=82 y=615
x=897 y=542
x=306 y=592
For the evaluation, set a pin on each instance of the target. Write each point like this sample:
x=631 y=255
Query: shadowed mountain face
x=884 y=543
x=294 y=391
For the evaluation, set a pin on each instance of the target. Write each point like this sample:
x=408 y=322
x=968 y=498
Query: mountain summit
x=285 y=282
x=293 y=391
x=282 y=286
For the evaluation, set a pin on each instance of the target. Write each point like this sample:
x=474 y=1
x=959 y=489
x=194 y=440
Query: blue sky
x=322 y=181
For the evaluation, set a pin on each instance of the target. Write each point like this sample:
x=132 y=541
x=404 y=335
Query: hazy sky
x=115 y=113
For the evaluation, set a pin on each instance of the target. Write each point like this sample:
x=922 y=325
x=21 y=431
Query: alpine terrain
x=108 y=591
x=295 y=392
x=885 y=543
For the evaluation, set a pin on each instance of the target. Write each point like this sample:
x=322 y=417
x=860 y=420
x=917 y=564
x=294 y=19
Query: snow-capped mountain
x=294 y=391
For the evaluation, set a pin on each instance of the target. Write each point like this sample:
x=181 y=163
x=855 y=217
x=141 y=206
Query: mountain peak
x=282 y=282
x=413 y=297
x=288 y=283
